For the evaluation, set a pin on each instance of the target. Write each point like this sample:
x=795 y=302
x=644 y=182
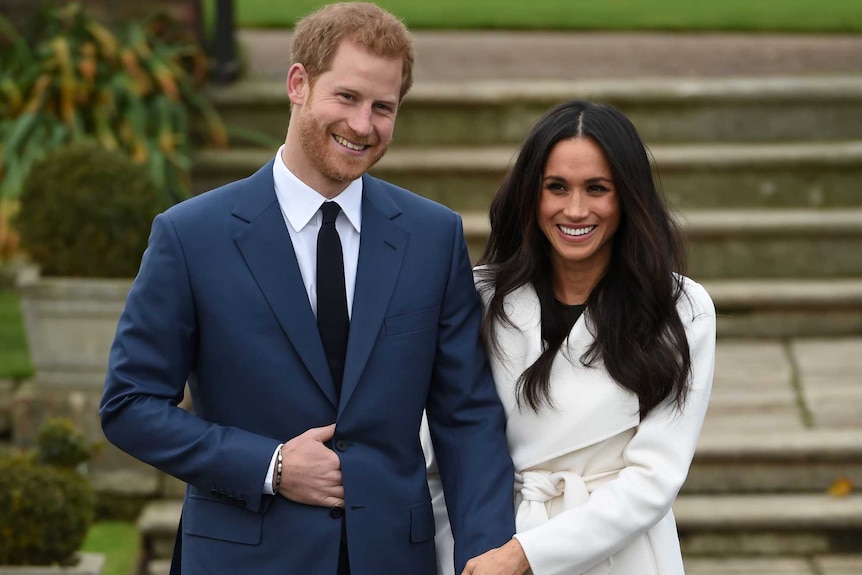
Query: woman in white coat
x=602 y=352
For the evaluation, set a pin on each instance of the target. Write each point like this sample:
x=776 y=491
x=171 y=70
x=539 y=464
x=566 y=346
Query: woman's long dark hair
x=638 y=333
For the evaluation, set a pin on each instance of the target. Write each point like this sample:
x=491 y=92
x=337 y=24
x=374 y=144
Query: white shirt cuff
x=267 y=484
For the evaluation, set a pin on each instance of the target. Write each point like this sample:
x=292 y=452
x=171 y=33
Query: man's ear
x=298 y=84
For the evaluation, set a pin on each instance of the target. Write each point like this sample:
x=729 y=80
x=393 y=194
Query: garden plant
x=137 y=90
x=46 y=503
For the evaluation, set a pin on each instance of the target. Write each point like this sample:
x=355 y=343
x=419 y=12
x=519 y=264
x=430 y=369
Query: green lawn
x=14 y=358
x=118 y=541
x=684 y=15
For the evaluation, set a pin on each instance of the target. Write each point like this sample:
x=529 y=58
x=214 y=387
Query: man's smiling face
x=347 y=120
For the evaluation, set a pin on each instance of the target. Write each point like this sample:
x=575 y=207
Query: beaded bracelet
x=279 y=467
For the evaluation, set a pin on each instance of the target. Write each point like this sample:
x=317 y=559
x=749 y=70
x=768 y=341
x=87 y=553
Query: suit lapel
x=266 y=247
x=382 y=245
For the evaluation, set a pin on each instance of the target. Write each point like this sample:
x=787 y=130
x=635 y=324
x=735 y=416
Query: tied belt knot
x=538 y=487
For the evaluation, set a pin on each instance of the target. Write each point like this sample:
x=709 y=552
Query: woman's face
x=579 y=210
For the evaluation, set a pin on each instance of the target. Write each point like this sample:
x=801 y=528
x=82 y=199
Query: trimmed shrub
x=60 y=444
x=86 y=212
x=45 y=509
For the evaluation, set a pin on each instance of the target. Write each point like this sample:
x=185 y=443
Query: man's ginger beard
x=317 y=141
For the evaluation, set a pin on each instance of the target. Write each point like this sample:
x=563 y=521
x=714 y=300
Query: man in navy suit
x=293 y=465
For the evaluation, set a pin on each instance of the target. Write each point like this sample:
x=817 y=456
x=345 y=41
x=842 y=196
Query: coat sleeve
x=467 y=422
x=657 y=461
x=152 y=355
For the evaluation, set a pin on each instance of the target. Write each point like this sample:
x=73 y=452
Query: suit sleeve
x=467 y=422
x=657 y=462
x=152 y=355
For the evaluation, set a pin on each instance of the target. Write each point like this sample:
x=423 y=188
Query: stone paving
x=825 y=565
x=830 y=373
x=767 y=385
x=801 y=387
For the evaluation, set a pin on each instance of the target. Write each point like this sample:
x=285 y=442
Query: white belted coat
x=594 y=483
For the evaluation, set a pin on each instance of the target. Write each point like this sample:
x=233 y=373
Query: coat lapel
x=266 y=247
x=382 y=245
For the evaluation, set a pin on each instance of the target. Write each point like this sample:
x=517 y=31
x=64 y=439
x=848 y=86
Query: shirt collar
x=300 y=202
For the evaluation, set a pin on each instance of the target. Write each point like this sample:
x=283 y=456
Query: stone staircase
x=765 y=176
x=764 y=173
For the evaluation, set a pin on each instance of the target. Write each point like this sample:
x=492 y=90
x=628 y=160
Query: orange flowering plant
x=137 y=90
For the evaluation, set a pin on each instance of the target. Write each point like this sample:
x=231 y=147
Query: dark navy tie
x=332 y=320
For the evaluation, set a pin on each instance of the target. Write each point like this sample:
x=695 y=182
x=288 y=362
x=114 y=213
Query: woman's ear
x=298 y=84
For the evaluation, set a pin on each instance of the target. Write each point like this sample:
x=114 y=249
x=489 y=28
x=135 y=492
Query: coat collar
x=266 y=247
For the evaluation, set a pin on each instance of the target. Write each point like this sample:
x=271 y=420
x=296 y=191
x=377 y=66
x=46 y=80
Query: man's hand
x=311 y=471
x=506 y=560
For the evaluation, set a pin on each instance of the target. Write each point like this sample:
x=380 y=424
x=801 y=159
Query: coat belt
x=539 y=487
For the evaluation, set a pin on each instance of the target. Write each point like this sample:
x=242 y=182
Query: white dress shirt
x=300 y=206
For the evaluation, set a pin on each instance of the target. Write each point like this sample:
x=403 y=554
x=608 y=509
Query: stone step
x=698 y=565
x=163 y=567
x=801 y=174
x=807 y=565
x=769 y=525
x=481 y=113
x=725 y=526
x=749 y=244
x=157 y=526
x=787 y=307
x=784 y=459
x=772 y=244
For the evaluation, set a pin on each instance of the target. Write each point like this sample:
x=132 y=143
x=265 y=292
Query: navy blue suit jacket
x=219 y=303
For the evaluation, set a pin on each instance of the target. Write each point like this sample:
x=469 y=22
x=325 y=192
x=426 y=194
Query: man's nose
x=360 y=121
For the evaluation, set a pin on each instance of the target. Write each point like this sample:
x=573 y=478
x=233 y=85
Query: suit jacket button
x=336 y=512
x=341 y=445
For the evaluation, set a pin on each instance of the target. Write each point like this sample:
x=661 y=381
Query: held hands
x=312 y=471
x=506 y=560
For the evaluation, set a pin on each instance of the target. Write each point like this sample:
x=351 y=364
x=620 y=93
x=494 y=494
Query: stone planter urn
x=70 y=325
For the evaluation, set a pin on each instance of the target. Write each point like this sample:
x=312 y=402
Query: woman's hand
x=506 y=560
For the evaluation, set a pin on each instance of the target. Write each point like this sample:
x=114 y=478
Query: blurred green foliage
x=136 y=90
x=86 y=212
x=45 y=509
